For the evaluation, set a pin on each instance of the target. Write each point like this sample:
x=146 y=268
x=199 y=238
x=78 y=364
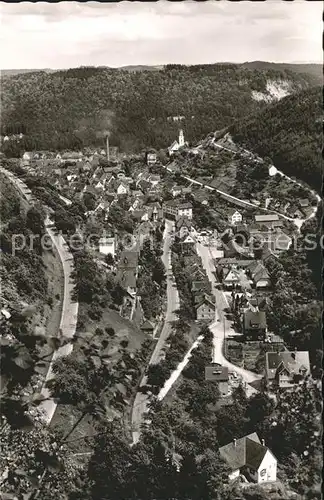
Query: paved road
x=69 y=315
x=141 y=400
x=221 y=327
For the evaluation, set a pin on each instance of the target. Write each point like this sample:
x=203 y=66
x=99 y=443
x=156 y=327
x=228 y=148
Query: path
x=69 y=313
x=141 y=400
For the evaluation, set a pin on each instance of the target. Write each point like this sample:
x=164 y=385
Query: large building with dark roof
x=286 y=369
x=248 y=456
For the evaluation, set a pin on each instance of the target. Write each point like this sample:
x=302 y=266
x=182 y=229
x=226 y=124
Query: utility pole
x=224 y=337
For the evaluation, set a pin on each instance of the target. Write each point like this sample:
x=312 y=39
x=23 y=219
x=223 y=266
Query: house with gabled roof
x=205 y=309
x=234 y=217
x=251 y=458
x=183 y=226
x=286 y=369
x=188 y=244
x=151 y=158
x=259 y=275
x=127 y=271
x=231 y=278
x=156 y=210
x=254 y=324
x=147 y=327
x=176 y=190
x=122 y=188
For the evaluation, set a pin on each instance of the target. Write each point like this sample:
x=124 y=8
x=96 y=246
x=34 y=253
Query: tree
x=158 y=274
x=35 y=221
x=109 y=260
x=157 y=374
x=64 y=221
x=208 y=394
x=35 y=464
x=259 y=407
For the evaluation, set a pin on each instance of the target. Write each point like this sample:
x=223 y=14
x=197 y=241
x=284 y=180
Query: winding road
x=69 y=315
x=141 y=400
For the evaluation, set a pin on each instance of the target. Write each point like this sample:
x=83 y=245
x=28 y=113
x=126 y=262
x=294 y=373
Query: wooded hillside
x=290 y=133
x=76 y=107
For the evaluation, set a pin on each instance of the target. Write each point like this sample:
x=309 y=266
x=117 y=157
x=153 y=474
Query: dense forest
x=79 y=107
x=290 y=133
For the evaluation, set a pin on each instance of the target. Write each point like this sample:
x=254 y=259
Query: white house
x=176 y=190
x=231 y=279
x=107 y=246
x=250 y=457
x=122 y=188
x=234 y=217
x=151 y=158
x=185 y=210
x=178 y=209
x=27 y=156
x=100 y=185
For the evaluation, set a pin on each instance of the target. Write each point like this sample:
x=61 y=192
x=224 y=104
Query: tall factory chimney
x=107 y=147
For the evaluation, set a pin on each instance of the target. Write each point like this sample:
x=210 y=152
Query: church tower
x=181 y=139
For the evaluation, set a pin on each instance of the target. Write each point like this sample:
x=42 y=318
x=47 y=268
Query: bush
x=95 y=312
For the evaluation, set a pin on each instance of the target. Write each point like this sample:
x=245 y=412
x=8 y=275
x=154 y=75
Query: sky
x=72 y=34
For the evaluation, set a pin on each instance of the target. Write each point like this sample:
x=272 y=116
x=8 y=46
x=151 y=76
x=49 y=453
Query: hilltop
x=139 y=109
x=312 y=69
x=315 y=70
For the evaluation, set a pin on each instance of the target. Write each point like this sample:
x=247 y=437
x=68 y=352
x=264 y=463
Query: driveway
x=140 y=405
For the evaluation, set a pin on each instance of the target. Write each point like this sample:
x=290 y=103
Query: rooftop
x=266 y=217
x=255 y=319
x=217 y=372
x=246 y=451
x=293 y=361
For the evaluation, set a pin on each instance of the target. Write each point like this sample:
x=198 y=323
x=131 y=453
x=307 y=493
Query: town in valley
x=160 y=305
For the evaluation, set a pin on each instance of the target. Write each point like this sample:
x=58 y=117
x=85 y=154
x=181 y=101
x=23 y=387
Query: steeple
x=181 y=138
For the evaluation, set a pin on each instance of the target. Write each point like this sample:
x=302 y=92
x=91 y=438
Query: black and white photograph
x=161 y=250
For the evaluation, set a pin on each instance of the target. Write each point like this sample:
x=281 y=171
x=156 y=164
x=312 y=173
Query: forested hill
x=75 y=107
x=290 y=133
x=315 y=70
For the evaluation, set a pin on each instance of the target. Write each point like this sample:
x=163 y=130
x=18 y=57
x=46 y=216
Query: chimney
x=234 y=442
x=263 y=442
x=107 y=146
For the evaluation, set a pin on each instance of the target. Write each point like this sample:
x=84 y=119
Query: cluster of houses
x=266 y=229
x=242 y=274
x=202 y=299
